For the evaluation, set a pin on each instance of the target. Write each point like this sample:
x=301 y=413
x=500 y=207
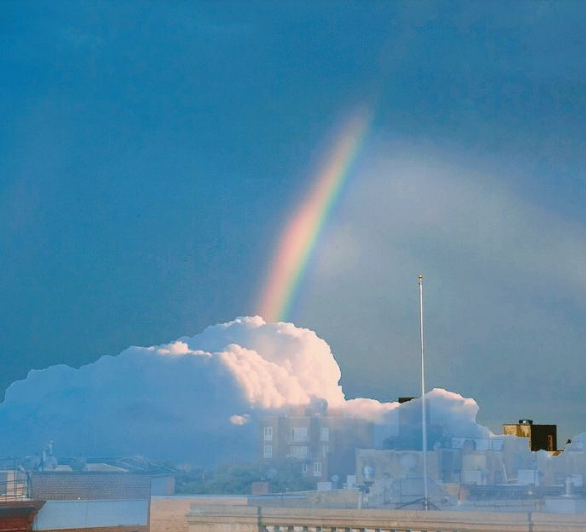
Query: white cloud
x=191 y=399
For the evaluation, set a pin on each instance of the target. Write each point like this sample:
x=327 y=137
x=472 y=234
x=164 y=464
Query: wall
x=247 y=519
x=63 y=515
x=168 y=514
x=162 y=485
x=89 y=485
x=18 y=516
x=395 y=464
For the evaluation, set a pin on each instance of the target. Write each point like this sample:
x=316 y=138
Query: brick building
x=92 y=500
x=321 y=440
x=18 y=515
x=86 y=485
x=44 y=494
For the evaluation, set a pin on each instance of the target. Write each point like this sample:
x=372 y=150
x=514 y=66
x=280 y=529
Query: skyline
x=155 y=157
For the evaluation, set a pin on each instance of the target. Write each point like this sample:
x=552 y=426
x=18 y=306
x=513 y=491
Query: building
x=18 y=515
x=322 y=441
x=162 y=477
x=92 y=500
x=541 y=437
x=75 y=500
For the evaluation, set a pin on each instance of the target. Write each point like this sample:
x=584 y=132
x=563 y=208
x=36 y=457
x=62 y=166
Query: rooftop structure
x=541 y=437
x=18 y=516
x=49 y=498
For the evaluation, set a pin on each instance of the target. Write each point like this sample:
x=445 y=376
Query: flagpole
x=423 y=401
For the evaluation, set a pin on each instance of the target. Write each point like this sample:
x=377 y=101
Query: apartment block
x=321 y=440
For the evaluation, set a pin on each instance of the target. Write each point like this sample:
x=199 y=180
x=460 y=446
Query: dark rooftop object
x=405 y=399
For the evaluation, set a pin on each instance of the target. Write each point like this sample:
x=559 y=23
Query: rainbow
x=302 y=233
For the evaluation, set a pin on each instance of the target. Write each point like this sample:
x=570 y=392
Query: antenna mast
x=423 y=405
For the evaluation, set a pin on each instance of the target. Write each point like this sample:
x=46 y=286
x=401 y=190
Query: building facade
x=322 y=441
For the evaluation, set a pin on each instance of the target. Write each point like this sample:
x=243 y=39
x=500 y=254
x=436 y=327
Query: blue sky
x=152 y=151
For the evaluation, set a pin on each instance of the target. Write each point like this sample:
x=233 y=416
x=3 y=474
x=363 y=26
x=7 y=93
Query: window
x=268 y=433
x=268 y=451
x=317 y=469
x=325 y=434
x=299 y=434
x=299 y=451
x=304 y=468
x=550 y=443
x=324 y=451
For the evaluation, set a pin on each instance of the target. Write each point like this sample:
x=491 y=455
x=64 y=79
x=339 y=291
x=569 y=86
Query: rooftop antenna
x=423 y=401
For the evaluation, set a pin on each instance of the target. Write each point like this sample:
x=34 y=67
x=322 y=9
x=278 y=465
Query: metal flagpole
x=423 y=401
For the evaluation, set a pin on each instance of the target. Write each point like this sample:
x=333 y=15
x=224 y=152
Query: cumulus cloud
x=193 y=398
x=274 y=364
